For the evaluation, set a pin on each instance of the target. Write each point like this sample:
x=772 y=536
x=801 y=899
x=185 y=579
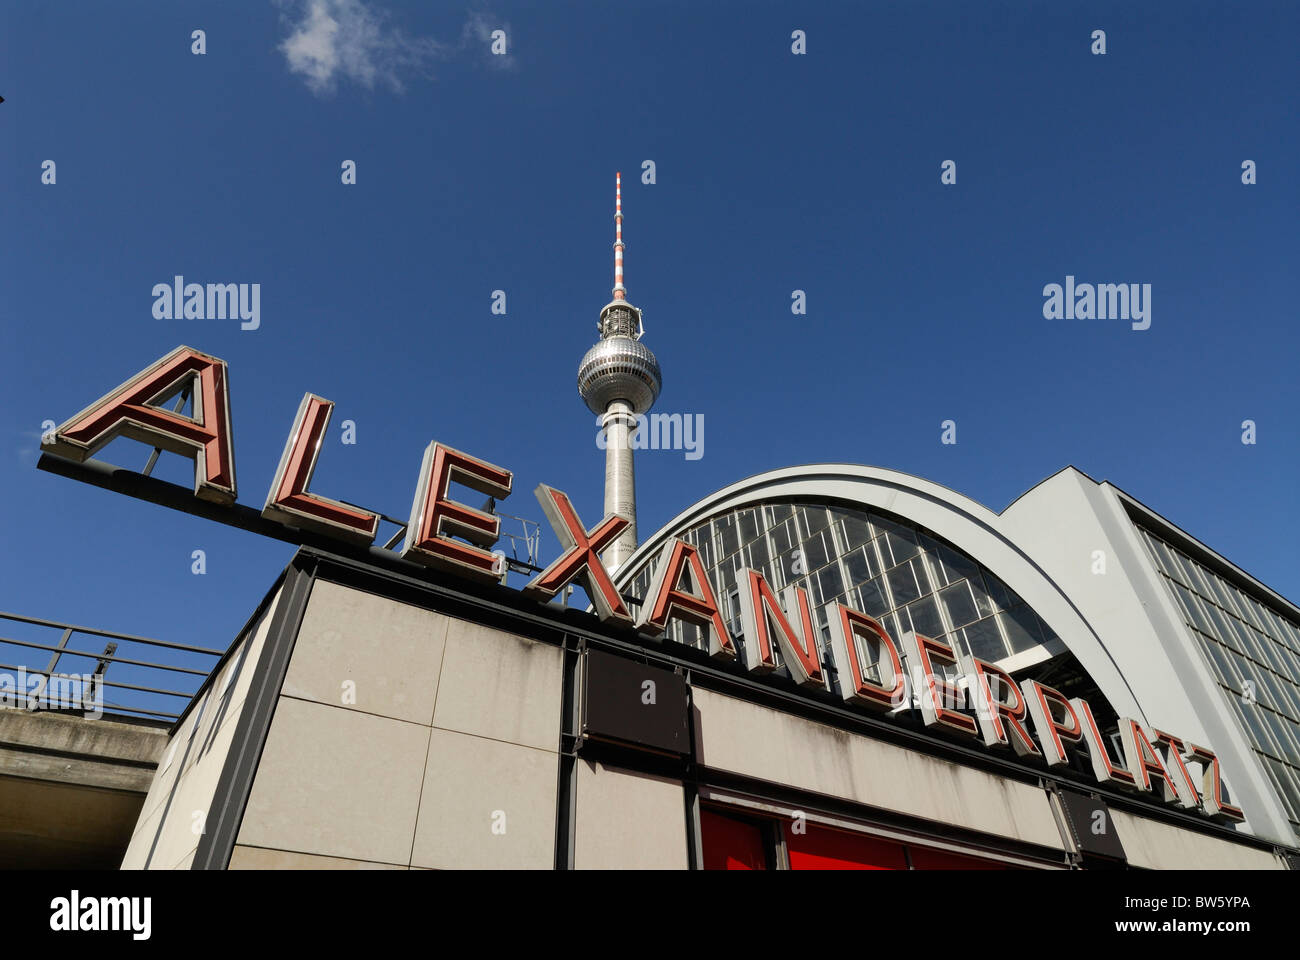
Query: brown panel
x=635 y=704
x=1091 y=825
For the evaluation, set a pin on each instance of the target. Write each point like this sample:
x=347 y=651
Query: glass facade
x=894 y=571
x=1254 y=653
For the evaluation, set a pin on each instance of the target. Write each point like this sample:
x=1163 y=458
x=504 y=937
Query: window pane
x=859 y=566
x=902 y=584
x=1170 y=563
x=1221 y=659
x=1278 y=727
x=1287 y=780
x=925 y=617
x=781 y=541
x=1022 y=628
x=1263 y=740
x=815 y=553
x=901 y=544
x=1223 y=593
x=922 y=577
x=933 y=568
x=1193 y=604
x=983 y=602
x=956 y=565
x=812 y=519
x=985 y=641
x=830 y=581
x=1250 y=609
x=873 y=598
x=960 y=604
x=856 y=531
x=728 y=541
x=1003 y=596
x=1222 y=632
x=957 y=641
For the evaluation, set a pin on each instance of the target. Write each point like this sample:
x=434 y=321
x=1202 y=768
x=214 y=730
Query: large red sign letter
x=1188 y=796
x=937 y=694
x=999 y=707
x=435 y=519
x=132 y=410
x=848 y=626
x=1212 y=798
x=1143 y=761
x=288 y=500
x=759 y=613
x=1102 y=767
x=667 y=598
x=1052 y=730
x=581 y=559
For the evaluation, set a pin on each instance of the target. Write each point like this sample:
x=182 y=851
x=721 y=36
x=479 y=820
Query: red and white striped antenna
x=620 y=291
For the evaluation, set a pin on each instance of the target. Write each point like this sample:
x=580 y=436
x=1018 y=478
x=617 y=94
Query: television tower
x=619 y=379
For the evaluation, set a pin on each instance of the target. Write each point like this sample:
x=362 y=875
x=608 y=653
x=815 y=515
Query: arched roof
x=970 y=526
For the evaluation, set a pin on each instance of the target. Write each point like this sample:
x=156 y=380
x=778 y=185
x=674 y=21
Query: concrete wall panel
x=1162 y=846
x=486 y=805
x=337 y=782
x=388 y=653
x=500 y=686
x=755 y=741
x=628 y=821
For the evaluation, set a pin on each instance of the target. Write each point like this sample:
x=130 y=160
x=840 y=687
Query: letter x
x=581 y=559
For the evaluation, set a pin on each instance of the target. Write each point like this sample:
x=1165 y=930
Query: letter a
x=132 y=411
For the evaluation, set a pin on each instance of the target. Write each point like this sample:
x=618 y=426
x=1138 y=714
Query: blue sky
x=774 y=172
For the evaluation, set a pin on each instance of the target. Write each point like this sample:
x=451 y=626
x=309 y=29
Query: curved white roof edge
x=970 y=526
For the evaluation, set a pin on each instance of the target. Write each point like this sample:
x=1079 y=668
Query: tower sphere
x=619 y=368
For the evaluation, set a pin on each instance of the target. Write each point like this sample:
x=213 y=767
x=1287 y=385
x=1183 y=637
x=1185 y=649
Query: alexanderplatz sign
x=869 y=662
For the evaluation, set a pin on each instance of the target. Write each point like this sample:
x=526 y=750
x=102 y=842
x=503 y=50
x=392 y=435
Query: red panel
x=731 y=844
x=823 y=849
x=925 y=859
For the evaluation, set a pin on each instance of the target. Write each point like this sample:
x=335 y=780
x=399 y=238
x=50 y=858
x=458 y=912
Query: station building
x=374 y=714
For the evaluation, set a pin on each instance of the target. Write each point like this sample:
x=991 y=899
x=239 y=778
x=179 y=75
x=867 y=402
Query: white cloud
x=333 y=40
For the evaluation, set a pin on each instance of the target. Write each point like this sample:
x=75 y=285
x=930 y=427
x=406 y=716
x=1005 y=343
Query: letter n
x=761 y=619
x=135 y=410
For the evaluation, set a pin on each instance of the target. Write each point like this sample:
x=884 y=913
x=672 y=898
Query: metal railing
x=143 y=666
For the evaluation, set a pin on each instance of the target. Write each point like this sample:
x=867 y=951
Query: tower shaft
x=619 y=424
